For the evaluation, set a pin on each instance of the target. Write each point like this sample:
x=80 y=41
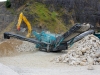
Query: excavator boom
x=23 y=18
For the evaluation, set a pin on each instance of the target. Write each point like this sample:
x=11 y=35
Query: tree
x=8 y=4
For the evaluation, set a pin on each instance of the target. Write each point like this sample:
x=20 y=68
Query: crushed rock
x=25 y=47
x=84 y=52
x=7 y=47
x=11 y=47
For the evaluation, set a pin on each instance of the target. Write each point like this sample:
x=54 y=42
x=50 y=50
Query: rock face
x=71 y=11
x=6 y=17
x=17 y=3
x=78 y=10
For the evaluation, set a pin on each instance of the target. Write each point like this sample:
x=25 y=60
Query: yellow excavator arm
x=22 y=17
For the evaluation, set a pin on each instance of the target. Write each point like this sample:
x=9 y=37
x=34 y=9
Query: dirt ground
x=39 y=63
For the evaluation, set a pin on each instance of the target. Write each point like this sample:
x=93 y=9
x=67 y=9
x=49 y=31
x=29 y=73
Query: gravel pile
x=83 y=52
x=25 y=47
x=11 y=47
x=7 y=47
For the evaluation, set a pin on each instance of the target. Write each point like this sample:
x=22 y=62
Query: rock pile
x=25 y=47
x=7 y=47
x=11 y=47
x=83 y=52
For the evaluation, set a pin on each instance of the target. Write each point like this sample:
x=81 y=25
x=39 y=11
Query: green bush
x=8 y=4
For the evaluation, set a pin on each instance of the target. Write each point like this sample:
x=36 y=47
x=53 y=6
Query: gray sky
x=2 y=0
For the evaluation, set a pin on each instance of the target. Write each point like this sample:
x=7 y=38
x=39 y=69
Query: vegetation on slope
x=39 y=15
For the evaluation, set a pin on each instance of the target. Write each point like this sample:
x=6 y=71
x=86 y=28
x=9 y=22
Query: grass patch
x=43 y=17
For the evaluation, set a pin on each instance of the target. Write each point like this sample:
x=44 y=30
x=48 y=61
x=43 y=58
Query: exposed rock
x=79 y=10
x=97 y=54
x=17 y=3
